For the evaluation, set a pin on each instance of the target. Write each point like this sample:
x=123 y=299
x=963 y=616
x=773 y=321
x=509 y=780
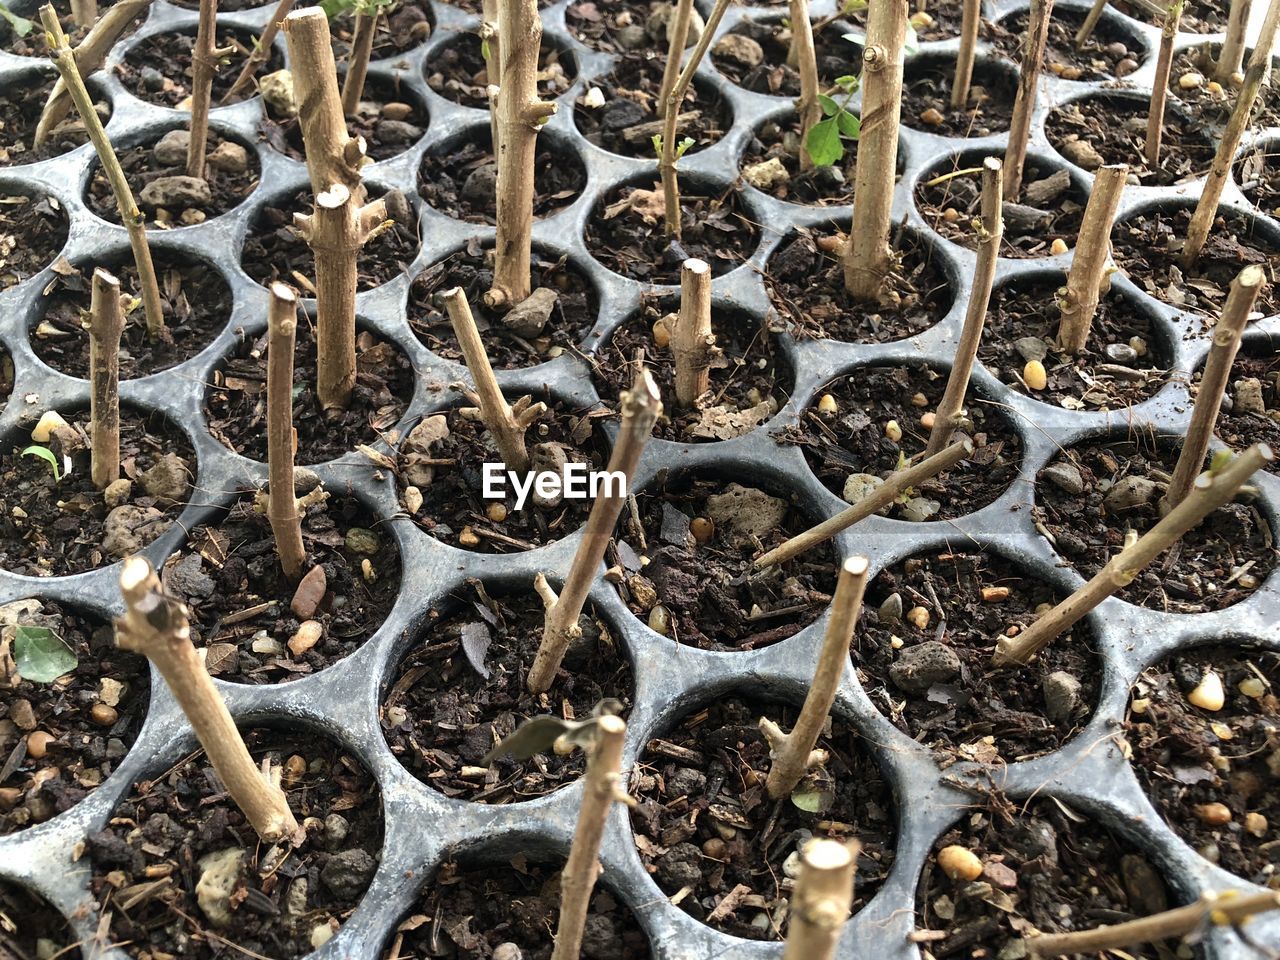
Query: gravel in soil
x=439 y=470
x=20 y=115
x=853 y=448
x=274 y=901
x=1250 y=411
x=926 y=99
x=779 y=140
x=33 y=231
x=31 y=923
x=31 y=43
x=461 y=689
x=627 y=120
x=1125 y=360
x=534 y=331
x=1212 y=773
x=1044 y=866
x=1148 y=248
x=1258 y=175
x=750 y=377
x=275 y=251
x=407 y=25
x=754 y=55
x=159 y=70
x=1094 y=492
x=1191 y=80
x=196 y=302
x=699 y=536
x=929 y=669
x=472 y=909
x=627 y=231
x=619 y=26
x=58 y=527
x=389 y=117
x=1108 y=130
x=62 y=739
x=1049 y=208
x=805 y=281
x=236 y=402
x=704 y=820
x=460 y=177
x=458 y=72
x=258 y=627
x=1110 y=53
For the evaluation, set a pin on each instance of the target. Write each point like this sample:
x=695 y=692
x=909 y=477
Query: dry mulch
x=458 y=72
x=19 y=116
x=159 y=70
x=926 y=99
x=33 y=230
x=601 y=26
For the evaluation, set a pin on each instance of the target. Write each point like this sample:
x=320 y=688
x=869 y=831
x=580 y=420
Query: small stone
x=1215 y=814
x=1126 y=67
x=1255 y=824
x=1252 y=687
x=1116 y=50
x=311 y=590
x=1209 y=693
x=920 y=666
x=932 y=117
x=1215 y=89
x=169 y=480
x=1065 y=476
x=959 y=863
x=305 y=637
x=266 y=646
x=741 y=50
x=643 y=592
x=348 y=873
x=362 y=541
x=496 y=512
x=219 y=875
x=1120 y=352
x=412 y=499
x=128 y=528
x=893 y=431
x=742 y=513
x=191 y=216
x=528 y=317
x=321 y=934
x=1031 y=348
x=1061 y=695
x=336 y=829
x=827 y=404
x=482 y=183
x=1128 y=493
x=1059 y=246
x=229 y=157
x=632 y=37
x=117 y=492
x=38 y=743
x=397 y=132
x=152 y=79
x=22 y=714
x=507 y=951
x=919 y=509
x=103 y=715
x=1191 y=80
x=467 y=538
x=171 y=149
x=859 y=486
x=918 y=617
x=177 y=191
x=593 y=99
x=277 y=93
x=295 y=902
x=766 y=174
x=995 y=594
x=396 y=110
x=890 y=611
x=1247 y=397
x=42 y=432
x=1082 y=154
x=702 y=529
x=1034 y=375
x=620 y=113
x=548 y=458
x=660 y=620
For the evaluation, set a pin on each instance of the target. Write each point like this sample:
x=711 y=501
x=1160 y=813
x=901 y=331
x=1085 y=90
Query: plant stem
x=106 y=324
x=1231 y=57
x=130 y=215
x=282 y=503
x=883 y=495
x=793 y=753
x=1220 y=170
x=491 y=47
x=1210 y=491
x=260 y=53
x=84 y=12
x=156 y=626
x=1089 y=277
x=1217 y=369
x=1160 y=85
x=964 y=60
x=806 y=64
x=677 y=40
x=692 y=339
x=670 y=117
x=951 y=408
x=1090 y=23
x=640 y=407
x=867 y=255
x=821 y=900
x=358 y=63
x=602 y=786
x=1024 y=104
x=204 y=63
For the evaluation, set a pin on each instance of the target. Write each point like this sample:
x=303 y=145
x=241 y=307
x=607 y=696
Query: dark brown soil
x=408 y=25
x=926 y=99
x=460 y=177
x=805 y=281
x=55 y=528
x=1051 y=211
x=750 y=380
x=824 y=186
x=472 y=908
x=835 y=55
x=33 y=230
x=705 y=592
x=1208 y=17
x=19 y=116
x=1259 y=177
x=28 y=919
x=1045 y=868
x=472 y=270
x=159 y=71
x=390 y=118
x=274 y=250
x=458 y=72
x=598 y=25
x=935 y=682
x=627 y=233
x=1215 y=565
x=944 y=19
x=94 y=714
x=1215 y=104
x=442 y=715
x=1111 y=52
x=1239 y=424
x=628 y=121
x=454 y=508
x=1107 y=375
x=32 y=43
x=171 y=823
x=1116 y=130
x=705 y=822
x=237 y=401
x=6 y=378
x=1187 y=757
x=1148 y=247
x=853 y=439
x=196 y=300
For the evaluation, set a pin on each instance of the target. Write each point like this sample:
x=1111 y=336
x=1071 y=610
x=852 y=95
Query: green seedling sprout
x=44 y=453
x=825 y=142
x=682 y=146
x=21 y=25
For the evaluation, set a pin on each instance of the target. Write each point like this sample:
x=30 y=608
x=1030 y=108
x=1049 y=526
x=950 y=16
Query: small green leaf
x=1220 y=460
x=850 y=126
x=848 y=83
x=44 y=453
x=912 y=42
x=484 y=49
x=21 y=25
x=829 y=107
x=823 y=143
x=656 y=140
x=40 y=654
x=854 y=6
x=683 y=146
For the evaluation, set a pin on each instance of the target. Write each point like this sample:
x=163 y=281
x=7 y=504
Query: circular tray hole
x=716 y=751
x=403 y=28
x=926 y=97
x=33 y=231
x=32 y=43
x=1112 y=51
x=620 y=26
x=1095 y=491
x=21 y=103
x=754 y=56
x=456 y=71
x=1250 y=410
x=77 y=727
x=1258 y=175
x=33 y=921
x=441 y=715
x=1210 y=101
x=184 y=815
x=158 y=69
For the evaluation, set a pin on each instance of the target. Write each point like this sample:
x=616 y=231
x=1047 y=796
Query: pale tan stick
x=204 y=63
x=1160 y=85
x=1231 y=57
x=1211 y=490
x=1024 y=104
x=1224 y=909
x=282 y=503
x=964 y=60
x=678 y=39
x=490 y=48
x=1217 y=369
x=602 y=786
x=260 y=53
x=130 y=215
x=990 y=231
x=156 y=626
x=692 y=339
x=1090 y=22
x=84 y=12
x=106 y=324
x=867 y=255
x=806 y=64
x=793 y=754
x=1090 y=273
x=1207 y=208
x=822 y=898
x=358 y=63
x=881 y=497
x=671 y=116
x=640 y=407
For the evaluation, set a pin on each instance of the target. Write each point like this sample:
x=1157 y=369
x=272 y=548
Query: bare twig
x=282 y=503
x=1090 y=23
x=204 y=63
x=964 y=60
x=806 y=63
x=1024 y=104
x=261 y=52
x=677 y=40
x=84 y=12
x=490 y=47
x=1231 y=57
x=692 y=339
x=1160 y=85
x=822 y=898
x=358 y=62
x=1090 y=273
x=106 y=324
